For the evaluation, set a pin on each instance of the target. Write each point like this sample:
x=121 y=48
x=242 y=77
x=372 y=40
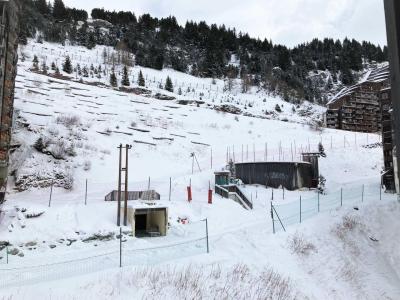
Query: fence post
x=120 y=247
x=318 y=203
x=208 y=248
x=272 y=198
x=170 y=187
x=7 y=253
x=300 y=209
x=283 y=192
x=51 y=192
x=272 y=217
x=362 y=194
x=380 y=192
x=341 y=196
x=280 y=221
x=86 y=193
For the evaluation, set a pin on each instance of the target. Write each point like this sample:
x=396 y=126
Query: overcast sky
x=289 y=22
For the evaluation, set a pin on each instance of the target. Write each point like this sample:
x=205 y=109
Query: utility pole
x=121 y=170
x=127 y=148
x=119 y=186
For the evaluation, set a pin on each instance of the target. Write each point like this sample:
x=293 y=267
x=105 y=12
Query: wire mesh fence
x=295 y=212
x=21 y=274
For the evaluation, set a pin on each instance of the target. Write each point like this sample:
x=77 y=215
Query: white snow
x=341 y=266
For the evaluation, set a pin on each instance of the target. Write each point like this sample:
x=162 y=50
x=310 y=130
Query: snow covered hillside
x=68 y=129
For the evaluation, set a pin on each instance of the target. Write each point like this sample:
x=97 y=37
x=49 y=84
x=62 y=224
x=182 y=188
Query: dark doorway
x=140 y=224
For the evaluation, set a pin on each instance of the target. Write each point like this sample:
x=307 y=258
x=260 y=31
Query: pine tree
x=125 y=77
x=168 y=85
x=141 y=81
x=53 y=66
x=113 y=78
x=67 y=66
x=35 y=64
x=59 y=10
x=44 y=68
x=85 y=72
x=321 y=150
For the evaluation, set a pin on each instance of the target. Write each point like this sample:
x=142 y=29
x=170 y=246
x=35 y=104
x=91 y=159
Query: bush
x=87 y=165
x=348 y=224
x=39 y=144
x=278 y=108
x=59 y=149
x=299 y=245
x=68 y=120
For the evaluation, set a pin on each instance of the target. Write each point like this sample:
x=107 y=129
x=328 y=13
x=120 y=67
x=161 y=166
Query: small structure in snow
x=148 y=219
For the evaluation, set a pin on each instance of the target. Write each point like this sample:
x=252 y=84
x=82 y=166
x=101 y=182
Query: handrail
x=225 y=191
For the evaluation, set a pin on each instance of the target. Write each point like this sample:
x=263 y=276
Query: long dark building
x=8 y=69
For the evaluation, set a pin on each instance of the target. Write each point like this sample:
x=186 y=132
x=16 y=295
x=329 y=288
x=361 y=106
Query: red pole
x=209 y=193
x=189 y=191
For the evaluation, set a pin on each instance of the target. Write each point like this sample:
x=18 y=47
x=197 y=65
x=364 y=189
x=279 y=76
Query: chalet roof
x=376 y=75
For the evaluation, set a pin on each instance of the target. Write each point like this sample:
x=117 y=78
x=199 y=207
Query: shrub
x=87 y=165
x=299 y=245
x=68 y=120
x=278 y=108
x=39 y=144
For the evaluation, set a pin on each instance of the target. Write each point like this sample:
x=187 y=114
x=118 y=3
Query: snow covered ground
x=83 y=124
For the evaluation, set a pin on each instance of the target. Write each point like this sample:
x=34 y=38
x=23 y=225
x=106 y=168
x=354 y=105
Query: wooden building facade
x=357 y=108
x=387 y=139
x=8 y=69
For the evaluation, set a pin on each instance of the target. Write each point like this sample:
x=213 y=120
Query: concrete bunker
x=147 y=219
x=290 y=175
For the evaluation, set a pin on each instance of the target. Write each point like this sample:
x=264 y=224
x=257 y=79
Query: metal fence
x=26 y=272
x=295 y=212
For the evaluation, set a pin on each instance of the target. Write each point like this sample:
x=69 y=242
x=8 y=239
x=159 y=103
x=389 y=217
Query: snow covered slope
x=68 y=131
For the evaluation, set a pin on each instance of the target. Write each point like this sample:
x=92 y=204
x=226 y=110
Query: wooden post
x=120 y=247
x=170 y=188
x=300 y=209
x=51 y=191
x=208 y=247
x=86 y=192
x=341 y=196
x=148 y=185
x=193 y=163
x=272 y=217
x=362 y=194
